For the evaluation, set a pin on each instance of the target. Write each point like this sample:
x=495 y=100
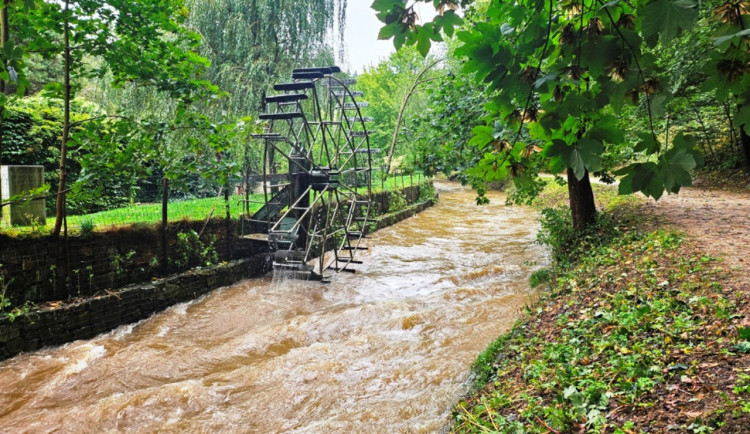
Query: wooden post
x=164 y=224
x=228 y=222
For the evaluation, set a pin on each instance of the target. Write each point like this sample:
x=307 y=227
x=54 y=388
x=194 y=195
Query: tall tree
x=254 y=43
x=561 y=72
x=394 y=93
x=140 y=41
x=12 y=64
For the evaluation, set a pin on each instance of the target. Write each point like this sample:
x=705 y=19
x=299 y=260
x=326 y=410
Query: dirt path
x=718 y=221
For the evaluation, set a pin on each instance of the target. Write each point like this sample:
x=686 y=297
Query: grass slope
x=641 y=332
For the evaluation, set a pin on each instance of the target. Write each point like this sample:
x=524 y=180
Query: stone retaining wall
x=92 y=316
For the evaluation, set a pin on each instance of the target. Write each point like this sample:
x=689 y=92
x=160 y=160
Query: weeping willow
x=253 y=43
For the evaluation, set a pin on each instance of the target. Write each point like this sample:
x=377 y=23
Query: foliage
x=190 y=250
x=396 y=202
x=252 y=44
x=87 y=227
x=443 y=129
x=31 y=134
x=560 y=73
x=621 y=334
x=568 y=245
x=384 y=87
x=426 y=192
x=5 y=301
x=539 y=277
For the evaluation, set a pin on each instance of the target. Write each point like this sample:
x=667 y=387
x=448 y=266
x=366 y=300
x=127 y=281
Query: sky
x=363 y=48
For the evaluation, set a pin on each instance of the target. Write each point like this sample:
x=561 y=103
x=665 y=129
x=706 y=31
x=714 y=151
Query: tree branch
x=417 y=81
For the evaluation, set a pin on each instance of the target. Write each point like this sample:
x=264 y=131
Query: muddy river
x=387 y=349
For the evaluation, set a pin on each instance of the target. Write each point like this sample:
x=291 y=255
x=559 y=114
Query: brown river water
x=387 y=349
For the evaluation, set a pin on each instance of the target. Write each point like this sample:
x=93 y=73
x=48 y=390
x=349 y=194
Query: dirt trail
x=718 y=221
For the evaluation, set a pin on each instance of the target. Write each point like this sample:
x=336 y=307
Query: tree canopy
x=559 y=75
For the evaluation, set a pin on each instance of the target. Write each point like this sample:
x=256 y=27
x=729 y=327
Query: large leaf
x=586 y=154
x=742 y=118
x=607 y=129
x=390 y=30
x=483 y=134
x=647 y=143
x=675 y=168
x=423 y=40
x=667 y=17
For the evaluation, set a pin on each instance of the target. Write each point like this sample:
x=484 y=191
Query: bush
x=568 y=245
x=190 y=250
x=396 y=202
x=426 y=191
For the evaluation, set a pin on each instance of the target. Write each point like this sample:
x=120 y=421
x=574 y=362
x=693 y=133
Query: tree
x=133 y=42
x=393 y=90
x=728 y=66
x=443 y=130
x=12 y=73
x=562 y=72
x=253 y=44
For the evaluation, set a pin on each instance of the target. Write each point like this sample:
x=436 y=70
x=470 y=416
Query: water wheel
x=317 y=172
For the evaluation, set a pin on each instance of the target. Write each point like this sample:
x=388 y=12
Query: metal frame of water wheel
x=317 y=174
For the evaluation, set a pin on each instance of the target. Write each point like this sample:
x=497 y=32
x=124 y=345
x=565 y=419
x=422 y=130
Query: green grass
x=194 y=209
x=394 y=182
x=605 y=196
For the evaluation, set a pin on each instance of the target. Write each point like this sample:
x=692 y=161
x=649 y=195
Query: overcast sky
x=361 y=34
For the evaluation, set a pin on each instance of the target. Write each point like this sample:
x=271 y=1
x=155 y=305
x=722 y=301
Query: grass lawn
x=193 y=209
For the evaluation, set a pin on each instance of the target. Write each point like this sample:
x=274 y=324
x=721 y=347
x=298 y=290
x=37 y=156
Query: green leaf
x=675 y=168
x=607 y=129
x=546 y=79
x=647 y=144
x=742 y=347
x=667 y=17
x=385 y=5
x=683 y=141
x=722 y=39
x=389 y=31
x=423 y=41
x=742 y=118
x=483 y=134
x=658 y=105
x=449 y=20
x=744 y=333
x=638 y=177
x=586 y=154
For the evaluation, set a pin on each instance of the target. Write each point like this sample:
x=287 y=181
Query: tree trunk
x=164 y=225
x=417 y=81
x=228 y=222
x=4 y=36
x=582 y=205
x=744 y=144
x=60 y=200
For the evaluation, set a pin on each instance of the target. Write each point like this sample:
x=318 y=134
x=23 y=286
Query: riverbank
x=386 y=349
x=642 y=330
